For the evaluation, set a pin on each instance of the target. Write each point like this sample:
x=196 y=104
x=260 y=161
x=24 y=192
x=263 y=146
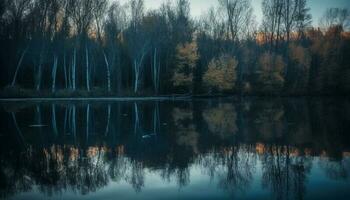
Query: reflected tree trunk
x=65 y=121
x=38 y=121
x=17 y=128
x=137 y=120
x=108 y=119
x=54 y=123
x=87 y=122
x=156 y=120
x=73 y=121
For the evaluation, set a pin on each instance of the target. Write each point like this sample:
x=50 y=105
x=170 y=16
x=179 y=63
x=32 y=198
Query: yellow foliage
x=187 y=55
x=222 y=73
x=186 y=59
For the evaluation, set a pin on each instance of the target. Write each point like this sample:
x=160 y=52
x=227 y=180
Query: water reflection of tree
x=186 y=134
x=284 y=174
x=221 y=120
x=269 y=120
x=113 y=155
x=233 y=167
x=334 y=169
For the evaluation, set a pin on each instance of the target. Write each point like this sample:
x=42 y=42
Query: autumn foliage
x=186 y=60
x=270 y=73
x=221 y=73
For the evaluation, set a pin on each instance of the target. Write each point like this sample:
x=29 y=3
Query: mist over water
x=244 y=148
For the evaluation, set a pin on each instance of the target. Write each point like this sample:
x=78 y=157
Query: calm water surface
x=250 y=148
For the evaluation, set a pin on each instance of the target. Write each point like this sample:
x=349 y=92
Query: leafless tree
x=272 y=21
x=334 y=17
x=238 y=14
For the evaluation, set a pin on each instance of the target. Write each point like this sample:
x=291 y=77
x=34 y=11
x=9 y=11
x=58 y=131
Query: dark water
x=206 y=149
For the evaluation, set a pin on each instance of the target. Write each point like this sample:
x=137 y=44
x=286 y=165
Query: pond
x=245 y=148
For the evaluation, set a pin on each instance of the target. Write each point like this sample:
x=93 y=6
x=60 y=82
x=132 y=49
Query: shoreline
x=159 y=98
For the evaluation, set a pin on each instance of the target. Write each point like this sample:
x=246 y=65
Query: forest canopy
x=101 y=47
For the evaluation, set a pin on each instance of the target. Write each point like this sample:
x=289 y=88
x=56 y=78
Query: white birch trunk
x=137 y=69
x=54 y=72
x=39 y=75
x=69 y=74
x=108 y=72
x=87 y=69
x=136 y=77
x=74 y=69
x=65 y=71
x=155 y=72
x=18 y=66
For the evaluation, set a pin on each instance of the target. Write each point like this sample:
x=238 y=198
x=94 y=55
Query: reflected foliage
x=57 y=148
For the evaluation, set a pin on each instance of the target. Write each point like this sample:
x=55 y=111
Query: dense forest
x=101 y=47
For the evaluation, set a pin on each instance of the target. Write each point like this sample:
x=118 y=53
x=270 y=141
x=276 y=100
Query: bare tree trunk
x=87 y=69
x=108 y=72
x=137 y=69
x=18 y=66
x=155 y=72
x=54 y=72
x=74 y=69
x=136 y=83
x=39 y=72
x=279 y=16
x=69 y=74
x=65 y=70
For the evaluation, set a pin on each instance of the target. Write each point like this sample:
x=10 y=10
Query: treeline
x=99 y=46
